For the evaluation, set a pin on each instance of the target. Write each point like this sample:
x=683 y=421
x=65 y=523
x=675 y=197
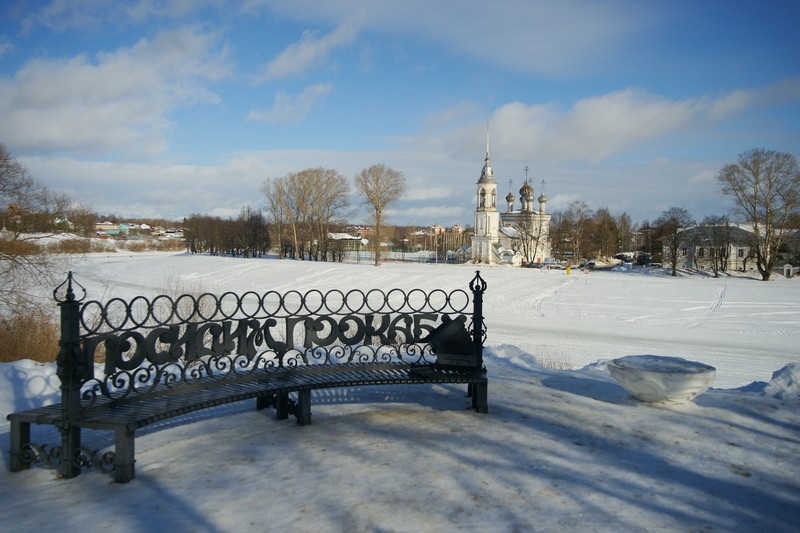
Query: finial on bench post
x=478 y=389
x=478 y=286
x=70 y=370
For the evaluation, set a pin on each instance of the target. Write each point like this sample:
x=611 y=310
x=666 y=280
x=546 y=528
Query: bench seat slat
x=139 y=411
x=125 y=416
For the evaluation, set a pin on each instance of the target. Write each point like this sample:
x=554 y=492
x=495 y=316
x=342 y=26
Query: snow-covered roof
x=512 y=232
x=342 y=237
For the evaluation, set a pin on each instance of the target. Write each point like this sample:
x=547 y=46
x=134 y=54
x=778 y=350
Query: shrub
x=552 y=359
x=72 y=246
x=137 y=246
x=30 y=334
x=102 y=246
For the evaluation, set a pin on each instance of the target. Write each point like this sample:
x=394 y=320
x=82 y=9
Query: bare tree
x=27 y=208
x=303 y=206
x=329 y=205
x=559 y=236
x=576 y=220
x=644 y=243
x=717 y=237
x=253 y=238
x=381 y=186
x=669 y=226
x=765 y=185
x=624 y=227
x=604 y=233
x=531 y=232
x=83 y=218
x=274 y=191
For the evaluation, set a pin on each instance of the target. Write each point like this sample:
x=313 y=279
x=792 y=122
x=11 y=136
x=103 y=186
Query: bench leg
x=20 y=437
x=124 y=456
x=282 y=406
x=302 y=410
x=70 y=452
x=480 y=397
x=262 y=402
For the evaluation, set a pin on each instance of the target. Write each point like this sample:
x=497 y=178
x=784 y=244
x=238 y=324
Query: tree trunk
x=377 y=238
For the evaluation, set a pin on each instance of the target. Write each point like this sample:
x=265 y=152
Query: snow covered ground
x=559 y=450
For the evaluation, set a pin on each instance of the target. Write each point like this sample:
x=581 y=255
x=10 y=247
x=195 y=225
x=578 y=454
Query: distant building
x=110 y=229
x=456 y=228
x=364 y=231
x=514 y=237
x=730 y=245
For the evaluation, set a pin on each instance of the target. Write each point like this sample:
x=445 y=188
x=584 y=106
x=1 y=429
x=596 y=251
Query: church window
x=482 y=201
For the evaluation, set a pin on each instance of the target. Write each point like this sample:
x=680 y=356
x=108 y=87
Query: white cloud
x=65 y=15
x=148 y=190
x=553 y=38
x=289 y=109
x=60 y=15
x=310 y=52
x=426 y=191
x=704 y=176
x=593 y=129
x=561 y=201
x=785 y=90
x=404 y=215
x=113 y=101
x=598 y=127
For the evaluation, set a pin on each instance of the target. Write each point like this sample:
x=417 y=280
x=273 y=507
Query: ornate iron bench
x=165 y=357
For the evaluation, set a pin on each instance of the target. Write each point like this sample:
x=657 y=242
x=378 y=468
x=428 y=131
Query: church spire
x=487 y=174
x=487 y=140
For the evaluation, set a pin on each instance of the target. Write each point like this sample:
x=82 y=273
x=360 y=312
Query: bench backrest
x=164 y=340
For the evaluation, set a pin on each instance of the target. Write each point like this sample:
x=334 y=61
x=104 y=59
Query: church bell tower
x=487 y=217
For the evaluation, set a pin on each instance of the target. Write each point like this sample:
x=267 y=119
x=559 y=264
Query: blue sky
x=171 y=107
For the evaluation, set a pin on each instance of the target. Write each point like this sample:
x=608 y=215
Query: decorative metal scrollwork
x=118 y=315
x=39 y=454
x=478 y=284
x=69 y=294
x=154 y=343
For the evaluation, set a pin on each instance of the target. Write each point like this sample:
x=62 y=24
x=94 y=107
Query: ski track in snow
x=549 y=292
x=719 y=298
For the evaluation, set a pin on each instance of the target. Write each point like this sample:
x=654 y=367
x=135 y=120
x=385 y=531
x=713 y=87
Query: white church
x=515 y=236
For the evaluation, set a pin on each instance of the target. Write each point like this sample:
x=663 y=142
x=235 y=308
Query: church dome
x=542 y=198
x=526 y=190
x=487 y=174
x=510 y=197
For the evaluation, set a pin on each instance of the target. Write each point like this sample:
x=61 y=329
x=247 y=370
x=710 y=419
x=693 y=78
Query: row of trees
x=578 y=232
x=247 y=235
x=765 y=187
x=305 y=206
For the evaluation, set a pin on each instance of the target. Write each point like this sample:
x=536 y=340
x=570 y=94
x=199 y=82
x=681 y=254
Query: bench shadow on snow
x=588 y=387
x=440 y=397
